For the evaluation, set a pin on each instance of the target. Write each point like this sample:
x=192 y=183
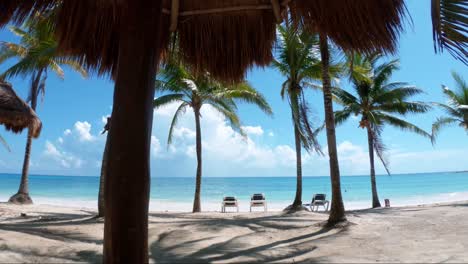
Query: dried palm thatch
x=15 y=114
x=223 y=37
x=354 y=25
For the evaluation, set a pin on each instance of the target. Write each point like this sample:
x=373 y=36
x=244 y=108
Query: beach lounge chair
x=229 y=201
x=258 y=200
x=319 y=200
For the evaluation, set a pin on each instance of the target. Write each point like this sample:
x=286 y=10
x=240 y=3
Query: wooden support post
x=174 y=15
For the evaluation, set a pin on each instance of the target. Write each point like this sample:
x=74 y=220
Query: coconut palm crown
x=456 y=109
x=37 y=54
x=299 y=62
x=378 y=102
x=178 y=85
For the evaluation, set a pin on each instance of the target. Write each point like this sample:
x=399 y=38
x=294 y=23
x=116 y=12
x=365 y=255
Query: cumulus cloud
x=227 y=153
x=155 y=146
x=66 y=160
x=84 y=131
x=253 y=130
x=82 y=148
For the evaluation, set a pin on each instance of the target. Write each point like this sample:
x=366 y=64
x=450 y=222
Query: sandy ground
x=432 y=233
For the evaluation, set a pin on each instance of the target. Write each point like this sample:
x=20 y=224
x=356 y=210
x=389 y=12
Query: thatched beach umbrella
x=15 y=114
x=126 y=38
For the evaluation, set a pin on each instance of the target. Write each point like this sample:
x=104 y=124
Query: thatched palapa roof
x=15 y=114
x=226 y=37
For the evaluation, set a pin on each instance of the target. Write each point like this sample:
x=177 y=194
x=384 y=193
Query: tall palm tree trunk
x=196 y=200
x=297 y=140
x=127 y=185
x=101 y=206
x=337 y=212
x=22 y=196
x=375 y=197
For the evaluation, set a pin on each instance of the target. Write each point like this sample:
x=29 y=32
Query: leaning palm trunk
x=22 y=196
x=298 y=198
x=127 y=182
x=196 y=200
x=375 y=197
x=337 y=212
x=101 y=207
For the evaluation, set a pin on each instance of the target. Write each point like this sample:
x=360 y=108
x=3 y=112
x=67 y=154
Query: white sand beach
x=429 y=233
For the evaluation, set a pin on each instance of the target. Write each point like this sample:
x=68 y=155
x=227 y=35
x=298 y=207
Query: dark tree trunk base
x=376 y=205
x=20 y=198
x=295 y=208
x=341 y=223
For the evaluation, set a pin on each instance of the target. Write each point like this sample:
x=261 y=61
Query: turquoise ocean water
x=176 y=193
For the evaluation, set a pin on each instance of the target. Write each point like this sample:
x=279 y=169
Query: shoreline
x=214 y=206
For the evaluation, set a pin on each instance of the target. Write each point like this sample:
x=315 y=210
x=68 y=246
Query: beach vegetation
x=378 y=102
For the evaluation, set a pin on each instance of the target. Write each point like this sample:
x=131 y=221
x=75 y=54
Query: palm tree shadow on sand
x=239 y=248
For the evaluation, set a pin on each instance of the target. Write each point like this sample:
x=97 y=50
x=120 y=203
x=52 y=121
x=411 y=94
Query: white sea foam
x=209 y=206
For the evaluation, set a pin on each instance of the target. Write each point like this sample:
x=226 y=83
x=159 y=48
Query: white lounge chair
x=258 y=200
x=229 y=201
x=319 y=200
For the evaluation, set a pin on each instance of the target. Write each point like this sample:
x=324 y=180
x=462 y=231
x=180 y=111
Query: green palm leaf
x=440 y=123
x=450 y=27
x=167 y=99
x=180 y=110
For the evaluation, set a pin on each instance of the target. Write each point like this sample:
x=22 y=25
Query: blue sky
x=73 y=109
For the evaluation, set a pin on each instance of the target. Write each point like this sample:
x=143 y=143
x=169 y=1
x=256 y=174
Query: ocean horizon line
x=250 y=176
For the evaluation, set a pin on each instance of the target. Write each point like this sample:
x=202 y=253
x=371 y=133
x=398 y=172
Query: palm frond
x=344 y=97
x=73 y=64
x=451 y=111
x=180 y=110
x=460 y=82
x=402 y=124
x=55 y=67
x=379 y=146
x=342 y=116
x=243 y=92
x=231 y=117
x=404 y=108
x=4 y=143
x=440 y=123
x=383 y=72
x=396 y=92
x=167 y=99
x=450 y=27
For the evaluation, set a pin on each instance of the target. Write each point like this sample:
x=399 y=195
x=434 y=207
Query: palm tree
x=337 y=211
x=179 y=85
x=457 y=107
x=38 y=54
x=105 y=160
x=297 y=60
x=377 y=101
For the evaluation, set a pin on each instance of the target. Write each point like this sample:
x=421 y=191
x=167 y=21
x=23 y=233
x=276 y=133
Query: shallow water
x=176 y=193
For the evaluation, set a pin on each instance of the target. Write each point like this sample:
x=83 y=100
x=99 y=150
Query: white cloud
x=104 y=119
x=227 y=153
x=84 y=131
x=51 y=150
x=155 y=146
x=183 y=132
x=253 y=130
x=65 y=160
